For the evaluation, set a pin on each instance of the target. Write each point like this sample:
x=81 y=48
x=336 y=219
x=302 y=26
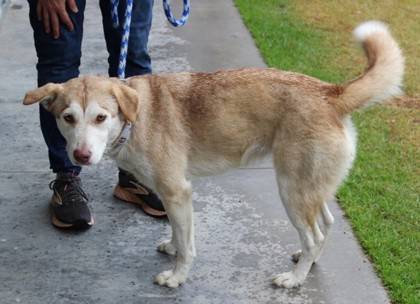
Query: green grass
x=381 y=196
x=285 y=42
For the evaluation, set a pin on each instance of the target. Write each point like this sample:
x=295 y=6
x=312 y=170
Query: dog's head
x=90 y=112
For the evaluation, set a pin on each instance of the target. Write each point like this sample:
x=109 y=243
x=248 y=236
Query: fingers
x=54 y=13
x=72 y=6
x=46 y=20
x=55 y=25
x=65 y=19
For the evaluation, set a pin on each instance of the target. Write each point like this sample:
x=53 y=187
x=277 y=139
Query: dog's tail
x=383 y=77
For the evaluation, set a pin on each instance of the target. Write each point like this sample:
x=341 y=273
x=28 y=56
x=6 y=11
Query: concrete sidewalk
x=242 y=233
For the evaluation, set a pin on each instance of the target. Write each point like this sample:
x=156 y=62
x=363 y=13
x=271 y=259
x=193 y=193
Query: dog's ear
x=46 y=95
x=128 y=101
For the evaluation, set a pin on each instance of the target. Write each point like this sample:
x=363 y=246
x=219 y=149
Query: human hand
x=52 y=12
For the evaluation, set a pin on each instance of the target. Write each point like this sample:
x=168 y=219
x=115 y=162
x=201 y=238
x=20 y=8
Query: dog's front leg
x=178 y=205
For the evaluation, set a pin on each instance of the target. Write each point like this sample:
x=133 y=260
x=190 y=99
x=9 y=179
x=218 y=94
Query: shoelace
x=71 y=189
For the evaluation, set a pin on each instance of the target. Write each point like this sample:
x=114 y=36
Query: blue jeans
x=59 y=61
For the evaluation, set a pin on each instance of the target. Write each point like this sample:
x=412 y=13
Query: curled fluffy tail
x=383 y=77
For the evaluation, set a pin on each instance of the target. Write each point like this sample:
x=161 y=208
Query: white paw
x=167 y=247
x=170 y=279
x=287 y=280
x=296 y=256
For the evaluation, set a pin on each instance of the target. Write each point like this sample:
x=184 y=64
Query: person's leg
x=138 y=59
x=58 y=61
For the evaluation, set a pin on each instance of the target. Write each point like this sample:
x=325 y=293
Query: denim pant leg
x=138 y=59
x=58 y=61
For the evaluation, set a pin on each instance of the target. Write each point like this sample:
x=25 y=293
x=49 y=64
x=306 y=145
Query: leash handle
x=172 y=20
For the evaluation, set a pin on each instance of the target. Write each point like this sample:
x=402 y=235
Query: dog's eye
x=69 y=118
x=100 y=118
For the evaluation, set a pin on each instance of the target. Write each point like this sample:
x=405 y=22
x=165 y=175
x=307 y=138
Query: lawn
x=381 y=196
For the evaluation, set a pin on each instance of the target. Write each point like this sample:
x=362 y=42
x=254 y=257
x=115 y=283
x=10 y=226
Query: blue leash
x=185 y=13
x=127 y=22
x=126 y=33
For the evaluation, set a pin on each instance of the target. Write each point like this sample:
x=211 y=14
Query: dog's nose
x=82 y=156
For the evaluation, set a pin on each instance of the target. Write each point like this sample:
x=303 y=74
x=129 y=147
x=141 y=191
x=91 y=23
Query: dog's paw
x=170 y=279
x=287 y=280
x=296 y=256
x=167 y=247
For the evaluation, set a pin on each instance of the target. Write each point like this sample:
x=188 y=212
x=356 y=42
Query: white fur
x=180 y=214
x=388 y=72
x=85 y=133
x=369 y=28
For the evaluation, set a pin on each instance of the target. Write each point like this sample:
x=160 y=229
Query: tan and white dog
x=189 y=124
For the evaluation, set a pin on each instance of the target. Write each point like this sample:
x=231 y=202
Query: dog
x=166 y=129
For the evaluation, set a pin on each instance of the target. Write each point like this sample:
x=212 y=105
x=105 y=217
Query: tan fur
x=189 y=124
x=382 y=78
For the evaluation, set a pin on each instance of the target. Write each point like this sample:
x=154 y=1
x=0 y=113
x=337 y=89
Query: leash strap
x=172 y=20
x=126 y=33
x=127 y=22
x=114 y=13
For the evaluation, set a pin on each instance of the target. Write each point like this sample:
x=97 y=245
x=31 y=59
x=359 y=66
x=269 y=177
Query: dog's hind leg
x=178 y=205
x=304 y=186
x=325 y=222
x=311 y=239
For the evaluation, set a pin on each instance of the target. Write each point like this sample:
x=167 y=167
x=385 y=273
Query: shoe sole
x=126 y=196
x=62 y=225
